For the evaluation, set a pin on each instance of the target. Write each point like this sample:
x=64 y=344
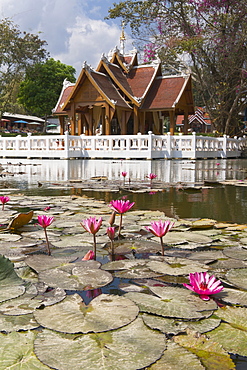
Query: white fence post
x=66 y=145
x=150 y=145
x=193 y=146
x=169 y=145
x=224 y=154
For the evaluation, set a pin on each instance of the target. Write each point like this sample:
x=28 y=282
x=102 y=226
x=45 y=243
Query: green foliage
x=206 y=37
x=17 y=52
x=40 y=90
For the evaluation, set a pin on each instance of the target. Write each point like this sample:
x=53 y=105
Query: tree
x=206 y=37
x=17 y=52
x=40 y=90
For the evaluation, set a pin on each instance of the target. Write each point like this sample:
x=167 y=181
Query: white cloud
x=75 y=30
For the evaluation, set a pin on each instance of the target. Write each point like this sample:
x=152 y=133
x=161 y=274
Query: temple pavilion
x=121 y=97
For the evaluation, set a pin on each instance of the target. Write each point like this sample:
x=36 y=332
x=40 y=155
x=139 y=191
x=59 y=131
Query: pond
x=189 y=188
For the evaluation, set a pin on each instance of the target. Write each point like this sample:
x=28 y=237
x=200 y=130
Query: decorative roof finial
x=122 y=38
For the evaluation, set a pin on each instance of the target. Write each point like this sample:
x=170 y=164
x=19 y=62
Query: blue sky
x=75 y=30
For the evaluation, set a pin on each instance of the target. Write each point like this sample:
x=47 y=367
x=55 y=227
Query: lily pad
x=131 y=269
x=232 y=334
x=129 y=348
x=177 y=357
x=232 y=296
x=43 y=262
x=237 y=277
x=176 y=266
x=16 y=352
x=76 y=278
x=172 y=326
x=105 y=312
x=236 y=252
x=16 y=323
x=210 y=352
x=204 y=223
x=20 y=220
x=7 y=292
x=175 y=302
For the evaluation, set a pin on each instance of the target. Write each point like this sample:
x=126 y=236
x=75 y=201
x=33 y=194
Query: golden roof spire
x=122 y=38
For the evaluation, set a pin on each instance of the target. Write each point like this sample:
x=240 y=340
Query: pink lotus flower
x=3 y=200
x=92 y=226
x=111 y=234
x=124 y=174
x=204 y=285
x=151 y=176
x=88 y=256
x=160 y=229
x=121 y=206
x=46 y=221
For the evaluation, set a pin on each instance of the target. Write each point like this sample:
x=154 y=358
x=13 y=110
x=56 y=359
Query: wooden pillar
x=90 y=131
x=186 y=121
x=80 y=124
x=72 y=120
x=172 y=122
x=142 y=122
x=103 y=120
x=107 y=120
x=136 y=126
x=62 y=124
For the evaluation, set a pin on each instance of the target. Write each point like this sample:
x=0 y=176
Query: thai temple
x=123 y=97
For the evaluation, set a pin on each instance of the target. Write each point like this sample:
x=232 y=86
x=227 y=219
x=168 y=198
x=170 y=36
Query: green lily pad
x=210 y=352
x=176 y=357
x=7 y=292
x=131 y=347
x=105 y=312
x=232 y=296
x=16 y=352
x=42 y=262
x=175 y=302
x=237 y=277
x=8 y=275
x=176 y=266
x=172 y=326
x=16 y=323
x=232 y=334
x=70 y=278
x=204 y=223
x=236 y=252
x=131 y=269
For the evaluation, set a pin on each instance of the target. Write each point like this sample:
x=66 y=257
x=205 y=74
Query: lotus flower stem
x=47 y=243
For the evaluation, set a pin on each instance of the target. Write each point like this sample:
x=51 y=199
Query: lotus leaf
x=16 y=352
x=176 y=357
x=237 y=277
x=233 y=339
x=16 y=323
x=204 y=223
x=237 y=253
x=20 y=220
x=76 y=278
x=176 y=303
x=131 y=269
x=129 y=348
x=43 y=262
x=176 y=266
x=232 y=296
x=210 y=352
x=105 y=312
x=172 y=326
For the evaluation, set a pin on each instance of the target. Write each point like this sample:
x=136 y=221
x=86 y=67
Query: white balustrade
x=138 y=146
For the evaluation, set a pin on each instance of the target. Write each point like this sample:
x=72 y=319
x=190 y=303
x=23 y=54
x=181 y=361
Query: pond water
x=185 y=193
